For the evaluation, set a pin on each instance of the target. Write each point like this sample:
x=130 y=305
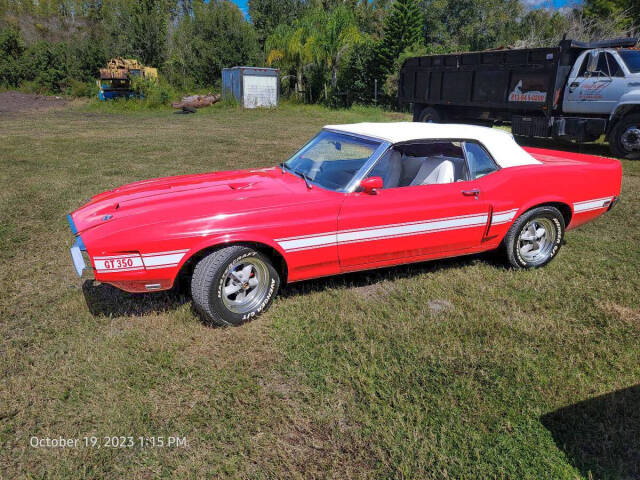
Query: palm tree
x=336 y=32
x=290 y=47
x=319 y=37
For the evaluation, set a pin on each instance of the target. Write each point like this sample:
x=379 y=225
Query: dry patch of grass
x=626 y=314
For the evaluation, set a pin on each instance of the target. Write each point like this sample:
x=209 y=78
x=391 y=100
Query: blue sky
x=242 y=4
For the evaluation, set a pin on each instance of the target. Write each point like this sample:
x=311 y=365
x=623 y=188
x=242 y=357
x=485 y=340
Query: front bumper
x=78 y=250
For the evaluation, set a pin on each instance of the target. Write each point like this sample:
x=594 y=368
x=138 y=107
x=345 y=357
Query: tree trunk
x=299 y=83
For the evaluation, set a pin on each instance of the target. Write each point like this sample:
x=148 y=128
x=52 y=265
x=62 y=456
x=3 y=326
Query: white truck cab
x=606 y=81
x=601 y=80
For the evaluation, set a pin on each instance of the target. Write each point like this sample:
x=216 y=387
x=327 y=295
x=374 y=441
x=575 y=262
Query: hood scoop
x=241 y=186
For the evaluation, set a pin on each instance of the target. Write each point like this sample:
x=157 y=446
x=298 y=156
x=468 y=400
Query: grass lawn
x=450 y=369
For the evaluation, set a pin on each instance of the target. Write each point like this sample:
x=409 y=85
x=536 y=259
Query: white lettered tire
x=233 y=285
x=535 y=237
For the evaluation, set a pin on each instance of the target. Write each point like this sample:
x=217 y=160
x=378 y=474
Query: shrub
x=50 y=65
x=11 y=48
x=154 y=92
x=78 y=88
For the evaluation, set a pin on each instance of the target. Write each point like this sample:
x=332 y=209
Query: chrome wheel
x=536 y=240
x=630 y=139
x=245 y=285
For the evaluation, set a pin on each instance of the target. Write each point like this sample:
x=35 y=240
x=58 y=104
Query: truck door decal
x=592 y=91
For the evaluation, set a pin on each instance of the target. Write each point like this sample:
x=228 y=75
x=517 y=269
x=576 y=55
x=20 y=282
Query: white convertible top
x=500 y=144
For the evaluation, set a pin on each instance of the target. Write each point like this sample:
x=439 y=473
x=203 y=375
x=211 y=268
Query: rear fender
x=546 y=200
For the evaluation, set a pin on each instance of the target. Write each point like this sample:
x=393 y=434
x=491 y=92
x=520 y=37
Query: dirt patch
x=16 y=102
x=373 y=291
x=439 y=306
x=626 y=314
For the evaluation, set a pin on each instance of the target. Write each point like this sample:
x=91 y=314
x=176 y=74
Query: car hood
x=191 y=196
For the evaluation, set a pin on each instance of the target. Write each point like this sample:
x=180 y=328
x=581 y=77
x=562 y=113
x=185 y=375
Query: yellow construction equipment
x=115 y=79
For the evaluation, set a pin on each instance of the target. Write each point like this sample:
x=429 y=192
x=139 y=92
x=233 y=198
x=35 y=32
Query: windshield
x=331 y=159
x=632 y=59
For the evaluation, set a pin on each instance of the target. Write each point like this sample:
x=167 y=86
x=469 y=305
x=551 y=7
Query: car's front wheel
x=233 y=285
x=535 y=237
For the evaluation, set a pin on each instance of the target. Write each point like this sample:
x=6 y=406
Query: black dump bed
x=525 y=80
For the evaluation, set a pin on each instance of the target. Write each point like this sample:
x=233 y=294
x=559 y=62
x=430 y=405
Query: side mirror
x=371 y=185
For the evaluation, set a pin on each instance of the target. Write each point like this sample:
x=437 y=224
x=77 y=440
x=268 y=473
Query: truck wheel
x=430 y=115
x=233 y=285
x=534 y=238
x=625 y=138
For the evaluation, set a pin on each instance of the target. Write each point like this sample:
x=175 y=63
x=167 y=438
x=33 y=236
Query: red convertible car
x=355 y=197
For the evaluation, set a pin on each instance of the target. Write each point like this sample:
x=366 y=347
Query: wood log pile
x=197 y=101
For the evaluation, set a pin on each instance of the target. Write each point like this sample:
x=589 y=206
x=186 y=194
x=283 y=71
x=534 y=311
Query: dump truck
x=576 y=91
x=116 y=78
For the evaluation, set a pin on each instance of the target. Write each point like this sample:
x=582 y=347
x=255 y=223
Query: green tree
x=390 y=87
x=91 y=56
x=628 y=11
x=267 y=15
x=402 y=28
x=11 y=49
x=290 y=47
x=336 y=32
x=356 y=77
x=315 y=44
x=542 y=28
x=49 y=65
x=220 y=37
x=470 y=25
x=149 y=22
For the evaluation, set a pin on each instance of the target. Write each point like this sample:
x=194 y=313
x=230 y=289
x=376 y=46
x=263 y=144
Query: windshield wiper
x=305 y=177
x=284 y=166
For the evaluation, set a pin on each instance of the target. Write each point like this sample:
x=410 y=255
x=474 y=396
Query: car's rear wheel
x=535 y=238
x=233 y=285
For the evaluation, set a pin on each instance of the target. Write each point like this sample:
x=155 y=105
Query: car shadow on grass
x=600 y=436
x=105 y=300
x=366 y=278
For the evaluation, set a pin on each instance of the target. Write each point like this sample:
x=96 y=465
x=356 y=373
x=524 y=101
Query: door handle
x=471 y=193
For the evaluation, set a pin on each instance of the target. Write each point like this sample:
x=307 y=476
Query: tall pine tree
x=402 y=29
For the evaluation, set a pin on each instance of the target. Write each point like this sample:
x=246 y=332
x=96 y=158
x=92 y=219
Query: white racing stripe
x=381 y=232
x=157 y=260
x=588 y=205
x=415 y=228
x=498 y=218
x=133 y=261
x=310 y=241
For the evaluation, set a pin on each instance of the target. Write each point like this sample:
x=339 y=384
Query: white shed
x=252 y=86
